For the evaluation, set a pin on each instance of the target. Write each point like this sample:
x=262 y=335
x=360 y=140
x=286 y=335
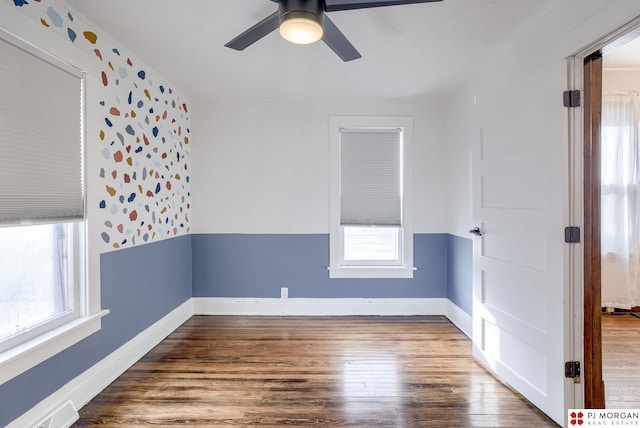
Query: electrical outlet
x=284 y=292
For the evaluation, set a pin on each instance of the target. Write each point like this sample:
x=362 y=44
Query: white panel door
x=518 y=260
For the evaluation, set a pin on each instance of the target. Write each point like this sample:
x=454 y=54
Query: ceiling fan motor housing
x=305 y=9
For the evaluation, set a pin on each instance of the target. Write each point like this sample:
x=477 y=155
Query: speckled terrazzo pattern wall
x=143 y=141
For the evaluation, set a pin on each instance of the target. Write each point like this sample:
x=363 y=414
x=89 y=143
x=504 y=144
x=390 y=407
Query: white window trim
x=340 y=271
x=29 y=354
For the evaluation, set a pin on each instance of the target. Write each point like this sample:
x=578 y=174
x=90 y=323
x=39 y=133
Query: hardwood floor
x=621 y=361
x=311 y=371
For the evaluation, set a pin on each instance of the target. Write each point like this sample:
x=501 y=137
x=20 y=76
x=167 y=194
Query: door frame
x=593 y=382
x=583 y=202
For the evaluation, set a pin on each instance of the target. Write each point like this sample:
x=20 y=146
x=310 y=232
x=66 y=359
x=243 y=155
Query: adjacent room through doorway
x=620 y=224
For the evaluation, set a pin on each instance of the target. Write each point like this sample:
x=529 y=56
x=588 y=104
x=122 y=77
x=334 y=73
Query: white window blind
x=40 y=137
x=370 y=177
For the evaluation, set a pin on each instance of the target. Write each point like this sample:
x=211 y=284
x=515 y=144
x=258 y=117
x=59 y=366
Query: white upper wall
x=620 y=80
x=263 y=166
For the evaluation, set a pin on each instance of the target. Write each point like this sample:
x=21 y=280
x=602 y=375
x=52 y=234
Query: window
x=43 y=292
x=39 y=280
x=371 y=232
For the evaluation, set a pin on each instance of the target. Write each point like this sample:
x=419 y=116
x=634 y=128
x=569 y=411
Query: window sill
x=21 y=358
x=371 y=272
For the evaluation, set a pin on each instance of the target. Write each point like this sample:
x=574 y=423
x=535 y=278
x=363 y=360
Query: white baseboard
x=90 y=383
x=460 y=318
x=318 y=307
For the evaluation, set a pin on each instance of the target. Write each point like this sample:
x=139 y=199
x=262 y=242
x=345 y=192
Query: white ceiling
x=407 y=51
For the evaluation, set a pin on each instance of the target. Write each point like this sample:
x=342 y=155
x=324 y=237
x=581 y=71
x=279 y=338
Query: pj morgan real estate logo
x=603 y=418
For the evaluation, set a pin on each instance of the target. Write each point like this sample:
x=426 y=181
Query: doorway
x=620 y=230
x=608 y=369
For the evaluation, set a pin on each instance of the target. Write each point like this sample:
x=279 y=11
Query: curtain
x=620 y=209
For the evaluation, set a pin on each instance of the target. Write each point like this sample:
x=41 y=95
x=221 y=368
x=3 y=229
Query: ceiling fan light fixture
x=301 y=27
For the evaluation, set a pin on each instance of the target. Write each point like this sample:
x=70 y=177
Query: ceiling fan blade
x=255 y=33
x=336 y=5
x=337 y=41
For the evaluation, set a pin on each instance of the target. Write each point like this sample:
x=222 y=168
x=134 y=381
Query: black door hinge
x=572 y=235
x=572 y=370
x=571 y=98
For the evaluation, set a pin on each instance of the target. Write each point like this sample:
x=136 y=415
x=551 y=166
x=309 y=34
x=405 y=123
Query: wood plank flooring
x=221 y=371
x=621 y=361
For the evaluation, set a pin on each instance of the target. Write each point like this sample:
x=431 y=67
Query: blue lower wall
x=237 y=265
x=142 y=284
x=139 y=286
x=459 y=272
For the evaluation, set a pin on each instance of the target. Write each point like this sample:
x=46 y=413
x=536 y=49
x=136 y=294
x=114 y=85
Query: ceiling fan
x=304 y=22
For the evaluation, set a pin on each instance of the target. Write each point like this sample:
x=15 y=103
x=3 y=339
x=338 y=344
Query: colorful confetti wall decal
x=144 y=140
